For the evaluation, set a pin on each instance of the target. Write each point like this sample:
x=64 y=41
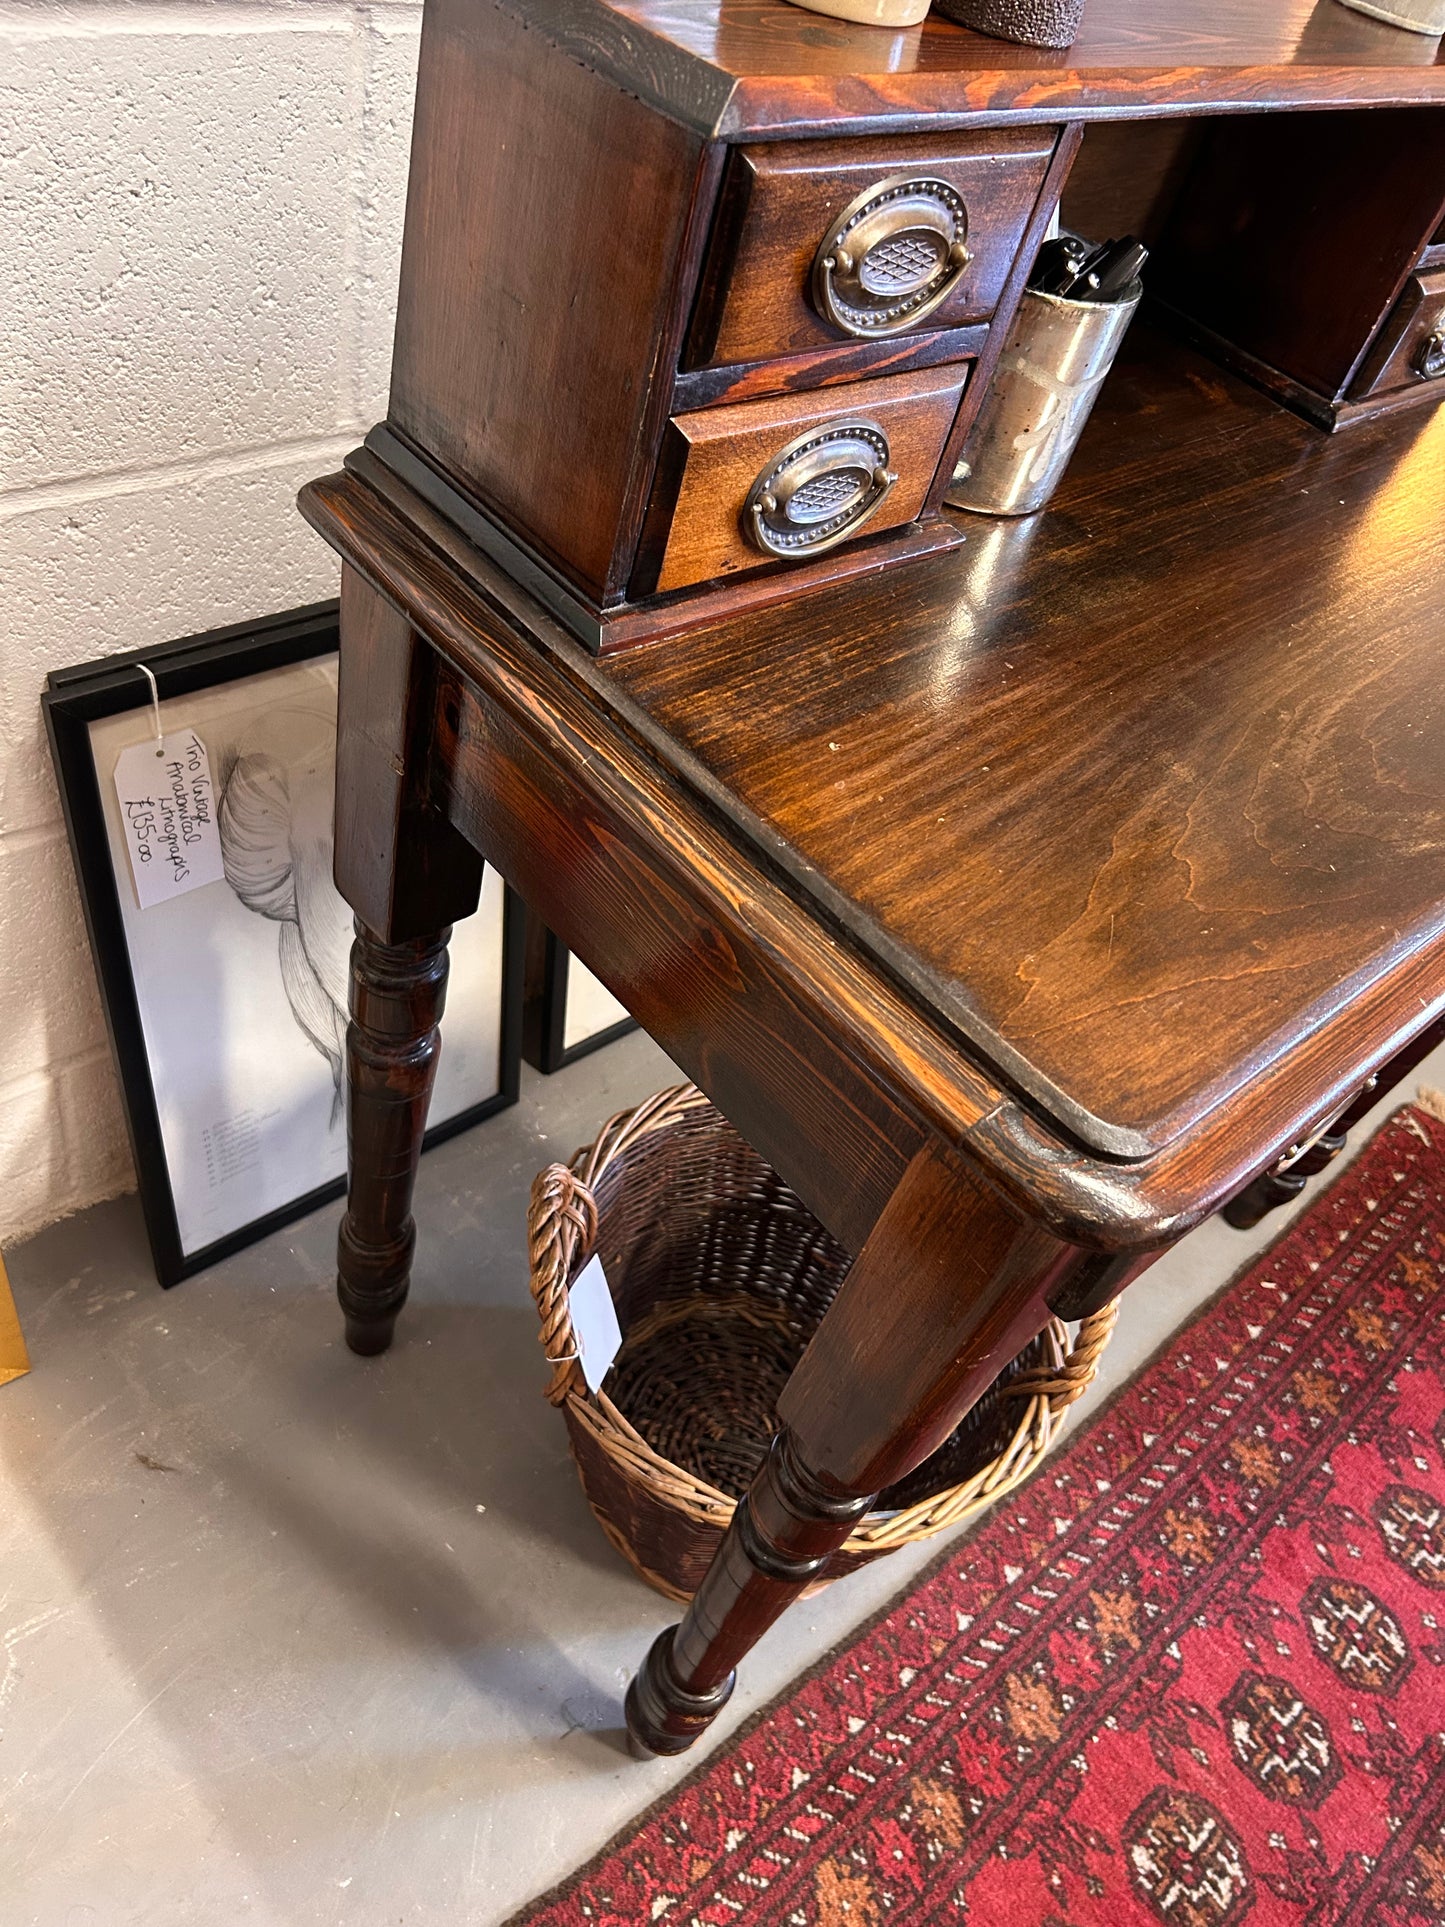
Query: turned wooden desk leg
x=409 y=876
x=948 y=1288
x=1286 y=1177
x=1282 y=1182
x=397 y=994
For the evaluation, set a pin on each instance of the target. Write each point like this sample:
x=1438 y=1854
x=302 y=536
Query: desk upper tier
x=1139 y=796
x=739 y=69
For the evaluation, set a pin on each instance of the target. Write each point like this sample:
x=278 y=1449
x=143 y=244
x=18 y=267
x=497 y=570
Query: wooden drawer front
x=780 y=203
x=1411 y=345
x=722 y=452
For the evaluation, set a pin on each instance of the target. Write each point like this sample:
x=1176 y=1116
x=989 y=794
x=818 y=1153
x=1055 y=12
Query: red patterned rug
x=1194 y=1673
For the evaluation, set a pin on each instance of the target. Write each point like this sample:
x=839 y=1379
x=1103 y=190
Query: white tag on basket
x=594 y=1323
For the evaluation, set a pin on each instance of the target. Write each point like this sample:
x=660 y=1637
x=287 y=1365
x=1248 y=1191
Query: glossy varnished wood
x=779 y=201
x=398 y=993
x=1417 y=315
x=965 y=1206
x=549 y=246
x=401 y=865
x=569 y=246
x=1139 y=795
x=1291 y=238
x=949 y=1285
x=1020 y=903
x=810 y=1044
x=824 y=1068
x=1127 y=176
x=744 y=68
x=400 y=475
x=721 y=450
x=408 y=872
x=825 y=367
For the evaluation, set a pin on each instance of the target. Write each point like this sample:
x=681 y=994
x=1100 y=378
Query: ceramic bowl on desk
x=1417 y=16
x=870 y=13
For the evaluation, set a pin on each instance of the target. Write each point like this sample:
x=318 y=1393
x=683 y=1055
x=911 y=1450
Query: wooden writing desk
x=1021 y=897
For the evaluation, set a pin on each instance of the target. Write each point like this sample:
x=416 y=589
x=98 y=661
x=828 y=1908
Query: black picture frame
x=72 y=700
x=544 y=1020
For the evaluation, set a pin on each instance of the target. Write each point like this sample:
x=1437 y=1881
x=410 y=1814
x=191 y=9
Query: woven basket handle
x=562 y=1225
x=1063 y=1384
x=561 y=1222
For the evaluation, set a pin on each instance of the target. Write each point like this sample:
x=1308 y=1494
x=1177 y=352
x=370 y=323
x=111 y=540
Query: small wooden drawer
x=929 y=228
x=789 y=478
x=1410 y=347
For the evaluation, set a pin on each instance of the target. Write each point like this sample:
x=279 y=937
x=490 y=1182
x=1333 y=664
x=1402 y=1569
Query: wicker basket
x=720 y=1275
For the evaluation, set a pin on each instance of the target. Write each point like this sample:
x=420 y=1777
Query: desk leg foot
x=949 y=1285
x=397 y=994
x=782 y=1535
x=1283 y=1182
x=662 y=1715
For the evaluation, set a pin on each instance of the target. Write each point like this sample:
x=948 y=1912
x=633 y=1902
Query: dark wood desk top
x=754 y=68
x=1238 y=676
x=1139 y=794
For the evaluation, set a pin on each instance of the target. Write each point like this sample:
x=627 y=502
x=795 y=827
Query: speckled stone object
x=1034 y=23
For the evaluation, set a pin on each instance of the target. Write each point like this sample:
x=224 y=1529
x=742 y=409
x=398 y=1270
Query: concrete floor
x=293 y=1638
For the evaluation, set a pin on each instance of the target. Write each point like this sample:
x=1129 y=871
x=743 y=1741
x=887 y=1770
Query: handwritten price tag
x=168 y=816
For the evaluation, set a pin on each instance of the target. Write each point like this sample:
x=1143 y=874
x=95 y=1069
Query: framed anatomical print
x=197 y=784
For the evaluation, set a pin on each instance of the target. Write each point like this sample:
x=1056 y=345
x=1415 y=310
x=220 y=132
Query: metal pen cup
x=1046 y=382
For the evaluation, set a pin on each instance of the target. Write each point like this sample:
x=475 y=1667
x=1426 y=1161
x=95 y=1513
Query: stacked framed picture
x=197 y=781
x=567 y=1012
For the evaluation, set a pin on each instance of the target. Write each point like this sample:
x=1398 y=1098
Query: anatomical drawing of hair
x=275 y=821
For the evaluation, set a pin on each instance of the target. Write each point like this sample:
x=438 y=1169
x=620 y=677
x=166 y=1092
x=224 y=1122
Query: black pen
x=1058 y=263
x=1074 y=286
x=1070 y=269
x=1110 y=277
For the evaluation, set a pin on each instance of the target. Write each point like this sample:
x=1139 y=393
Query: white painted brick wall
x=200 y=224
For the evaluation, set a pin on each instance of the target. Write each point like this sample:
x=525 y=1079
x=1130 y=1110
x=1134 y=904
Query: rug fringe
x=1431 y=1101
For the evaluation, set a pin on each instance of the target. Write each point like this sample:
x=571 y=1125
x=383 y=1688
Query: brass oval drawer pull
x=818 y=490
x=1430 y=355
x=892 y=256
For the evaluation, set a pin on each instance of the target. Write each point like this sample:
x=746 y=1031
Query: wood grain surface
x=400 y=864
x=545 y=258
x=751 y=68
x=1418 y=314
x=1291 y=235
x=779 y=201
x=682 y=903
x=949 y=1284
x=723 y=450
x=1127 y=176
x=1139 y=793
x=825 y=367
